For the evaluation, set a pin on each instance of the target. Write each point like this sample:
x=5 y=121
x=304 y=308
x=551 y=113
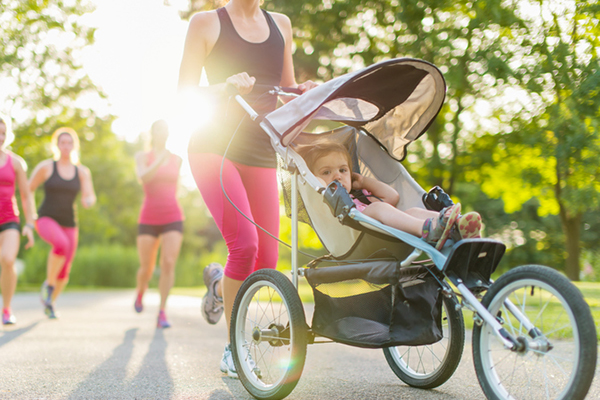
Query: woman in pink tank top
x=161 y=218
x=12 y=173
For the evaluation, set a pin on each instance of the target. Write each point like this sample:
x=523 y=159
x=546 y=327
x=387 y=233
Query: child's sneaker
x=469 y=225
x=437 y=230
x=162 y=320
x=8 y=317
x=212 y=304
x=138 y=305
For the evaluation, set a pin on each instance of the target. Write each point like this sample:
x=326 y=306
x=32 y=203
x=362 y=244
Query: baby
x=330 y=161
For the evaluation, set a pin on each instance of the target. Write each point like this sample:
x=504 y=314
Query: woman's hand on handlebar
x=306 y=86
x=242 y=82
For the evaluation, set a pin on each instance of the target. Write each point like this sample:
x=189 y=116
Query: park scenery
x=517 y=139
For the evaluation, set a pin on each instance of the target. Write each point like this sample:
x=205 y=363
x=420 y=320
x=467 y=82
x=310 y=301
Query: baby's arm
x=382 y=190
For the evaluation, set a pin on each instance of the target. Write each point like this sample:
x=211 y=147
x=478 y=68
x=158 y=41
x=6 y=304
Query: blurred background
x=518 y=138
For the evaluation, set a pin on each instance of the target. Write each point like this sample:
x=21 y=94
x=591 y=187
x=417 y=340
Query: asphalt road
x=101 y=349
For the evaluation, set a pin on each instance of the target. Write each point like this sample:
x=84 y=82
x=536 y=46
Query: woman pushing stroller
x=330 y=161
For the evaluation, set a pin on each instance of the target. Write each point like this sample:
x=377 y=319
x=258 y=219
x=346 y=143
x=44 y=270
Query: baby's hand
x=357 y=181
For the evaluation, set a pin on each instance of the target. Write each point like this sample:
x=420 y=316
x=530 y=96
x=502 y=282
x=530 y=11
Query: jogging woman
x=237 y=45
x=63 y=178
x=12 y=173
x=161 y=219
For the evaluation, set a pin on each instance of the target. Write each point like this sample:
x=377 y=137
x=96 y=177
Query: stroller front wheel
x=557 y=358
x=268 y=335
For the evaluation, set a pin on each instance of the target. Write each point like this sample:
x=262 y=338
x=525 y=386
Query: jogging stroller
x=533 y=333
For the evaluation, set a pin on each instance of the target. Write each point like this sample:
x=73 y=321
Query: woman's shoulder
x=281 y=19
x=84 y=171
x=45 y=164
x=17 y=160
x=205 y=21
x=283 y=23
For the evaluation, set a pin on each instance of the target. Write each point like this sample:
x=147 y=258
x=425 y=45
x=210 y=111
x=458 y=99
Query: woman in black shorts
x=161 y=218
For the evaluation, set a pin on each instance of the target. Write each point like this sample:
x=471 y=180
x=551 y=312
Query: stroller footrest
x=473 y=261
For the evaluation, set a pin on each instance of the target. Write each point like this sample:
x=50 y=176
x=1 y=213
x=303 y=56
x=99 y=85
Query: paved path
x=101 y=349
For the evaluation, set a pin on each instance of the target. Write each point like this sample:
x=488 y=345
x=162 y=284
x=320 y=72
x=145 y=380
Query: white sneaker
x=227 y=366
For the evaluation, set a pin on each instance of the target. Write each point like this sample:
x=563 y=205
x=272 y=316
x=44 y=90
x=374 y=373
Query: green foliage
x=40 y=55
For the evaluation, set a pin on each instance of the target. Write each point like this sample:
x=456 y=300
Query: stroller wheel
x=557 y=358
x=429 y=366
x=268 y=335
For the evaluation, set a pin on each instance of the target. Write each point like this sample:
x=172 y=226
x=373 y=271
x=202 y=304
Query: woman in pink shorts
x=237 y=45
x=12 y=173
x=161 y=218
x=63 y=178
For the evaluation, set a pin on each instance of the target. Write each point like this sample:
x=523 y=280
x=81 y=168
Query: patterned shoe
x=138 y=305
x=469 y=225
x=436 y=230
x=448 y=217
x=212 y=304
x=8 y=317
x=162 y=320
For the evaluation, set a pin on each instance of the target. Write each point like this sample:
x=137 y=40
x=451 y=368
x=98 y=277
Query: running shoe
x=162 y=320
x=8 y=318
x=212 y=304
x=139 y=307
x=228 y=367
x=46 y=293
x=49 y=311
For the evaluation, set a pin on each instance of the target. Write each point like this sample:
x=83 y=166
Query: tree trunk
x=572 y=228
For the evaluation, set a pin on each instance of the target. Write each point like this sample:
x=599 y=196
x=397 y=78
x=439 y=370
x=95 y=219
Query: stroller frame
x=504 y=322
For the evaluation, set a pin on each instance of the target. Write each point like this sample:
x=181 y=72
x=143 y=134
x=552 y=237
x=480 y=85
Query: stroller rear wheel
x=431 y=365
x=268 y=335
x=557 y=359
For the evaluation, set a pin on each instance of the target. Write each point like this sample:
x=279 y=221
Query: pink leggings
x=63 y=240
x=254 y=191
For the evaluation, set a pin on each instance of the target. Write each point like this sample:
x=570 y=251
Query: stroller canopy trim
x=394 y=100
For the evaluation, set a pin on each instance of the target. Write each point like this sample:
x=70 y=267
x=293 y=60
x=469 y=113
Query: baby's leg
x=391 y=216
x=421 y=213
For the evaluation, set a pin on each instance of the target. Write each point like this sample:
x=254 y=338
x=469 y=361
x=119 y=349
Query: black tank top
x=59 y=196
x=232 y=55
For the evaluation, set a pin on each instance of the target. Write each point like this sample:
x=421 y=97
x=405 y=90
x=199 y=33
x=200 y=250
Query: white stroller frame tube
x=295 y=228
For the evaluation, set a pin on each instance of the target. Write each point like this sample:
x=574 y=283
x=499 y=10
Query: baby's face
x=334 y=166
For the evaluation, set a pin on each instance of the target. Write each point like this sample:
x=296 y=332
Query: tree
x=551 y=149
x=39 y=57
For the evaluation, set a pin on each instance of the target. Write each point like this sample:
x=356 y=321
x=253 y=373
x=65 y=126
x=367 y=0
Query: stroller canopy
x=395 y=100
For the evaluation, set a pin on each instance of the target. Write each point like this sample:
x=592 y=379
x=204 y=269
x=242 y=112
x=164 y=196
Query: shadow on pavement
x=153 y=380
x=107 y=381
x=11 y=334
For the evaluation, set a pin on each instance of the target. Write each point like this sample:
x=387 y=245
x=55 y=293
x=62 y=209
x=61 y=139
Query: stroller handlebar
x=263 y=89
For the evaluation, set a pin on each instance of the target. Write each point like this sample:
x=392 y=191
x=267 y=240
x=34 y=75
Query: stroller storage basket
x=376 y=304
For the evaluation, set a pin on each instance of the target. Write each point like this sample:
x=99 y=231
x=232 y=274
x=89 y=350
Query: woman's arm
x=145 y=172
x=27 y=201
x=288 y=78
x=382 y=190
x=40 y=174
x=203 y=32
x=88 y=196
